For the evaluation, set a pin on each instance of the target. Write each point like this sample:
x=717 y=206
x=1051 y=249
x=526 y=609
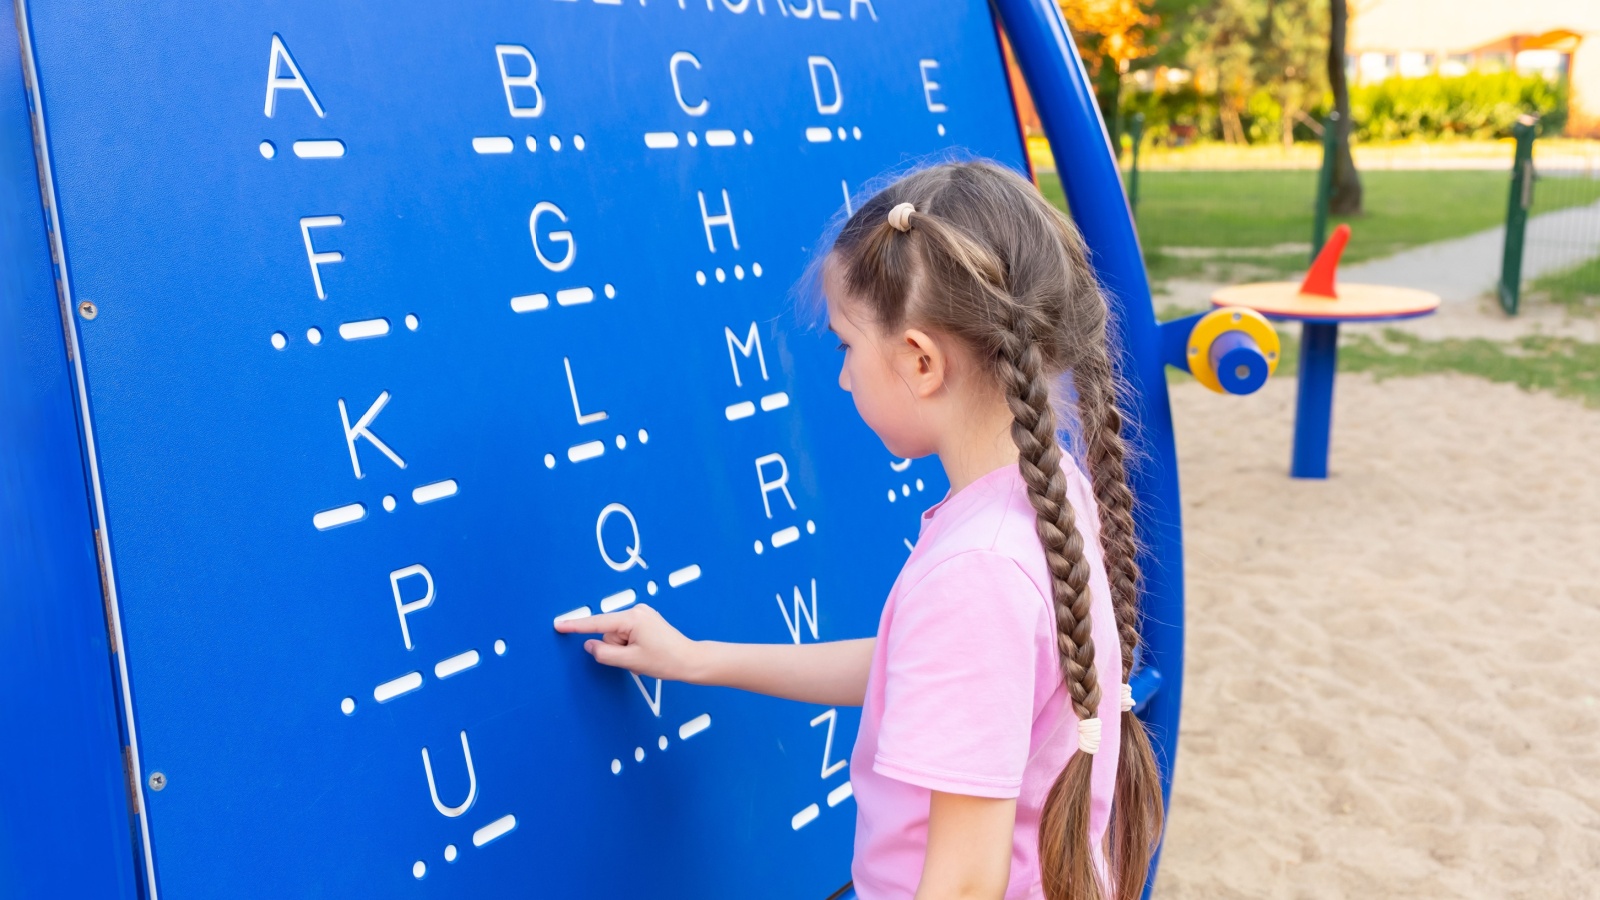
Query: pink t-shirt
x=965 y=693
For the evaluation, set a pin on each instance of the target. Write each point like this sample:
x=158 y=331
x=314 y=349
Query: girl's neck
x=980 y=445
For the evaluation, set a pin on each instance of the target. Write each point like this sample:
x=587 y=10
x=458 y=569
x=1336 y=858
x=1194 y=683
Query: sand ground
x=1394 y=674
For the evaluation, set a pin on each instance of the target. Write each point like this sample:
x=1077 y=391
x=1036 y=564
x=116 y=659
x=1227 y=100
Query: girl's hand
x=639 y=640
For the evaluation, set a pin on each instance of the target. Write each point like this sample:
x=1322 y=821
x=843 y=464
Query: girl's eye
x=842 y=346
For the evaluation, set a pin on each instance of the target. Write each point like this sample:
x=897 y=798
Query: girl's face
x=888 y=376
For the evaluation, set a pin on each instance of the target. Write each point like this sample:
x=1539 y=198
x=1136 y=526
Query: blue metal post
x=1313 y=415
x=1066 y=103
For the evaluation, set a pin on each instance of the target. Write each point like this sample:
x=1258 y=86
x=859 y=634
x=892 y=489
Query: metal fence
x=1561 y=248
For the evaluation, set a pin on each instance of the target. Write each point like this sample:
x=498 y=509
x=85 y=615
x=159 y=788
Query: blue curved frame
x=65 y=830
x=1065 y=100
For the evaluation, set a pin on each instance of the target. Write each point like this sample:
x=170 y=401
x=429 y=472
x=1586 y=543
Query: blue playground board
x=417 y=326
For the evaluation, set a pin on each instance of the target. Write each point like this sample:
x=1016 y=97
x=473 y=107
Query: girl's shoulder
x=995 y=514
x=985 y=534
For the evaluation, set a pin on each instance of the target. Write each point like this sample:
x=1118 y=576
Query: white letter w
x=801 y=612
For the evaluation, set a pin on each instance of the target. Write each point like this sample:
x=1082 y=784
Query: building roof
x=1463 y=25
x=1559 y=39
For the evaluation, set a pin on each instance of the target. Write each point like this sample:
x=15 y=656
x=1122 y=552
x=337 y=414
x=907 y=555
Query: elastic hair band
x=1127 y=698
x=900 y=216
x=1089 y=736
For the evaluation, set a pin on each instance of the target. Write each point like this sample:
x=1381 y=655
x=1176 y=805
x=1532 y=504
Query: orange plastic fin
x=1319 y=281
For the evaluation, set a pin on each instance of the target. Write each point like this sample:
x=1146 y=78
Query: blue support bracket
x=1231 y=350
x=1175 y=340
x=1146 y=681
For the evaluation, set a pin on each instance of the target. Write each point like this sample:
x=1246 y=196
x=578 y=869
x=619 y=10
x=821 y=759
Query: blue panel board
x=64 y=821
x=416 y=326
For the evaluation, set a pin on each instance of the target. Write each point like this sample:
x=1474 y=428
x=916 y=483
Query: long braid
x=1033 y=429
x=1137 y=812
x=1137 y=805
x=1105 y=455
x=1063 y=824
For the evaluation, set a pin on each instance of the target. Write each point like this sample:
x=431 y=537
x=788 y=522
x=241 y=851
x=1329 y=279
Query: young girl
x=992 y=760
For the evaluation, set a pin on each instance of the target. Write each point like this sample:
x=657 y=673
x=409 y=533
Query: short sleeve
x=959 y=678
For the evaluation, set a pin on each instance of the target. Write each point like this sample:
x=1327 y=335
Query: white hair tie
x=1089 y=736
x=900 y=216
x=1127 y=698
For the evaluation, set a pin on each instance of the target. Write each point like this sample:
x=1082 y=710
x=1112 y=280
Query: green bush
x=1475 y=105
x=1182 y=106
x=1263 y=115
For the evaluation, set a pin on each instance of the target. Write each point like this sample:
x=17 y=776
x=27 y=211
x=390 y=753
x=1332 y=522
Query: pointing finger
x=602 y=624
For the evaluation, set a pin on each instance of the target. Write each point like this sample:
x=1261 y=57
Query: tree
x=1291 y=46
x=1110 y=35
x=1258 y=61
x=1217 y=42
x=1346 y=197
x=1109 y=31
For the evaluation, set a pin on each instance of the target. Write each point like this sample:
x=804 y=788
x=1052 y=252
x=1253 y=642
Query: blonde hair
x=981 y=256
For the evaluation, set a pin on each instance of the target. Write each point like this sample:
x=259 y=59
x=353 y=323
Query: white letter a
x=295 y=81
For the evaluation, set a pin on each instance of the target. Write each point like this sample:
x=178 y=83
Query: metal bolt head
x=88 y=311
x=157 y=781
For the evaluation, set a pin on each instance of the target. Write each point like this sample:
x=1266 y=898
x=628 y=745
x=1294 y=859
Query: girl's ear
x=922 y=362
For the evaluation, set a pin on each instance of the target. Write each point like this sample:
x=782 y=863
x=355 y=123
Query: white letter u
x=472 y=782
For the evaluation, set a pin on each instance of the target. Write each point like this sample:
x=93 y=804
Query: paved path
x=1465 y=271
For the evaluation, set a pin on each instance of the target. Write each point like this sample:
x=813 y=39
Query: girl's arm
x=969 y=848
x=833 y=673
x=640 y=640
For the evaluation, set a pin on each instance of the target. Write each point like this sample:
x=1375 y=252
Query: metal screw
x=157 y=781
x=88 y=311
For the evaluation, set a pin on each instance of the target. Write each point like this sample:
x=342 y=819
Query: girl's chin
x=904 y=449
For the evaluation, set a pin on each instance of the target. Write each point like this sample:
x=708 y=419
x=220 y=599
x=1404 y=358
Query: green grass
x=1257 y=224
x=1562 y=366
x=1224 y=268
x=1577 y=288
x=1226 y=209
